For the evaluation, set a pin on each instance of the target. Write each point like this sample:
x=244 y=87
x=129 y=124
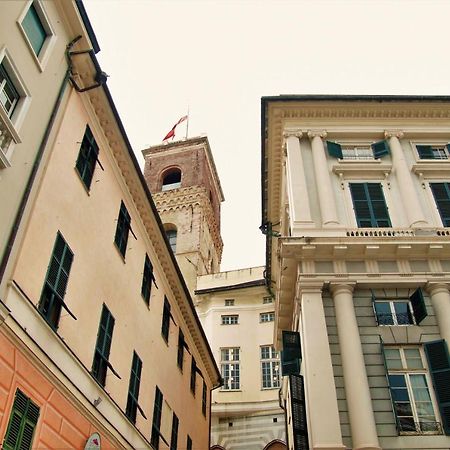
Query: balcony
x=8 y=135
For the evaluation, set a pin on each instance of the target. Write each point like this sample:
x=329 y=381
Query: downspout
x=210 y=407
x=282 y=403
x=32 y=177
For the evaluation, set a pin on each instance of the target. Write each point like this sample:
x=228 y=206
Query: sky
x=216 y=59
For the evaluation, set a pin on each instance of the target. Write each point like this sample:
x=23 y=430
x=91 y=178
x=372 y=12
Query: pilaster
x=440 y=299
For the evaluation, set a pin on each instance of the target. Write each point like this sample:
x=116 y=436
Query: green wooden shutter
x=334 y=149
x=291 y=353
x=22 y=422
x=122 y=230
x=133 y=388
x=378 y=205
x=369 y=205
x=34 y=29
x=298 y=405
x=174 y=436
x=380 y=148
x=418 y=305
x=193 y=375
x=425 y=151
x=180 y=350
x=448 y=147
x=441 y=193
x=87 y=157
x=189 y=443
x=147 y=279
x=157 y=413
x=165 y=326
x=439 y=364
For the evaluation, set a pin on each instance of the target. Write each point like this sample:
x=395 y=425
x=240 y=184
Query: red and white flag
x=171 y=133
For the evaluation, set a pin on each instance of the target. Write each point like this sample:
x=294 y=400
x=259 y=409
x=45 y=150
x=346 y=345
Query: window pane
x=393 y=360
x=34 y=29
x=384 y=314
x=413 y=358
x=402 y=313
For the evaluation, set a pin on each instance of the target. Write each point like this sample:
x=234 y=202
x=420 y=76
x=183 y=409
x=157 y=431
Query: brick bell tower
x=183 y=180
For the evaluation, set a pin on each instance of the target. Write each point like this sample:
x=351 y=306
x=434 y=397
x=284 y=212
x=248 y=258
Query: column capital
x=292 y=132
x=337 y=288
x=436 y=288
x=309 y=287
x=317 y=133
x=393 y=133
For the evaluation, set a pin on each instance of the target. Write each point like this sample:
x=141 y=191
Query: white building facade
x=356 y=205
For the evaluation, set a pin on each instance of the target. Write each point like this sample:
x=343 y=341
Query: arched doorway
x=276 y=444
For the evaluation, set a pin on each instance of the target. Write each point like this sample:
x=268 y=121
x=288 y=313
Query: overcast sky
x=220 y=57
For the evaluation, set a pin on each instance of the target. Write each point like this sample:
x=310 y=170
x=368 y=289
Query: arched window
x=275 y=445
x=171 y=234
x=171 y=180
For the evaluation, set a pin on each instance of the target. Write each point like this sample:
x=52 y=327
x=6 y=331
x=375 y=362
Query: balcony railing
x=5 y=137
x=407 y=425
x=381 y=232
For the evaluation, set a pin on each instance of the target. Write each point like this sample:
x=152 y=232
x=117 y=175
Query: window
x=22 y=422
x=441 y=193
x=180 y=352
x=103 y=346
x=34 y=29
x=9 y=95
x=267 y=317
x=204 y=398
x=267 y=300
x=230 y=368
x=369 y=205
x=172 y=238
x=270 y=367
x=357 y=152
x=174 y=434
x=230 y=319
x=133 y=388
x=229 y=302
x=156 y=424
x=147 y=279
x=408 y=383
x=171 y=180
x=193 y=375
x=54 y=290
x=122 y=230
x=433 y=151
x=375 y=150
x=189 y=443
x=165 y=326
x=87 y=157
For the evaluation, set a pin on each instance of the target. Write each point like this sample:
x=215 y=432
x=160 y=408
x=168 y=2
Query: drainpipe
x=210 y=408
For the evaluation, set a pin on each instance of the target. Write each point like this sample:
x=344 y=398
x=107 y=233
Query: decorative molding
x=317 y=133
x=394 y=133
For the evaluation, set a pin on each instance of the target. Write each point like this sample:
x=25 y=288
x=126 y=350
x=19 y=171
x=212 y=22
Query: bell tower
x=183 y=180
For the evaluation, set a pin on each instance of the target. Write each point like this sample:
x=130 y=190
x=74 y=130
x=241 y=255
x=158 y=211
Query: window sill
x=230 y=390
x=432 y=169
x=358 y=169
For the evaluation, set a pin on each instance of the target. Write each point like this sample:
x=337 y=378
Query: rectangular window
x=34 y=29
x=433 y=151
x=229 y=302
x=230 y=368
x=147 y=279
x=22 y=423
x=230 y=319
x=174 y=435
x=441 y=193
x=123 y=229
x=165 y=326
x=133 y=388
x=189 y=443
x=357 y=152
x=54 y=290
x=408 y=382
x=157 y=414
x=87 y=157
x=270 y=367
x=180 y=352
x=267 y=300
x=204 y=398
x=9 y=96
x=267 y=317
x=369 y=205
x=193 y=375
x=103 y=346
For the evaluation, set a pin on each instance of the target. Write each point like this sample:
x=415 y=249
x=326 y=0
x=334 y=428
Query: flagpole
x=187 y=124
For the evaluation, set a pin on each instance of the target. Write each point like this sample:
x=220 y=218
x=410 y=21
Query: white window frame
x=229 y=302
x=431 y=143
x=42 y=59
x=360 y=151
x=267 y=300
x=273 y=362
x=411 y=371
x=266 y=317
x=229 y=319
x=230 y=364
x=391 y=302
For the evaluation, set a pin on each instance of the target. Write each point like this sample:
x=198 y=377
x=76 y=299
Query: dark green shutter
x=193 y=375
x=22 y=422
x=180 y=351
x=174 y=436
x=388 y=383
x=133 y=388
x=418 y=305
x=147 y=279
x=298 y=405
x=157 y=413
x=425 y=151
x=441 y=193
x=291 y=353
x=165 y=326
x=122 y=230
x=334 y=149
x=380 y=148
x=448 y=147
x=87 y=157
x=189 y=443
x=439 y=364
x=204 y=398
x=369 y=205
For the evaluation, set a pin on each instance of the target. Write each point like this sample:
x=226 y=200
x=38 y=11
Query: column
x=440 y=299
x=296 y=181
x=323 y=182
x=359 y=403
x=322 y=408
x=408 y=193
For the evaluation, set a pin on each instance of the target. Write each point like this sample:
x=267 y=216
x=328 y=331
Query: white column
x=408 y=193
x=357 y=392
x=296 y=181
x=322 y=409
x=440 y=299
x=323 y=181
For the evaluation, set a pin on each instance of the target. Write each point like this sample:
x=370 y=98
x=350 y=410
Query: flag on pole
x=171 y=133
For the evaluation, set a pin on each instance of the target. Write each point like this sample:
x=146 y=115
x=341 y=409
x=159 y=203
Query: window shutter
x=361 y=204
x=448 y=147
x=388 y=383
x=374 y=309
x=441 y=193
x=439 y=364
x=123 y=227
x=380 y=148
x=298 y=405
x=291 y=353
x=425 y=151
x=418 y=305
x=378 y=205
x=334 y=149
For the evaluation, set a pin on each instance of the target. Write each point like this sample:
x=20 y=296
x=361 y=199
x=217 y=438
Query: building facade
x=99 y=339
x=355 y=209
